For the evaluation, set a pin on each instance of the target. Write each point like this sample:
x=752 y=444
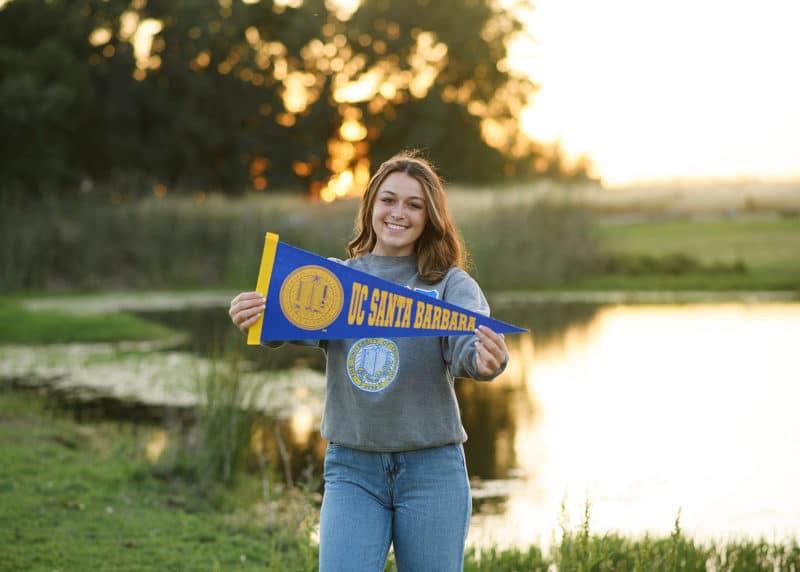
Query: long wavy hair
x=439 y=248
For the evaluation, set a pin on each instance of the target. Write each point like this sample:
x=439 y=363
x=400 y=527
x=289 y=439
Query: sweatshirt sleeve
x=459 y=351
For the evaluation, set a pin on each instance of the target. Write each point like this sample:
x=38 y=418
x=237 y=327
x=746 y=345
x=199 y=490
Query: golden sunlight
x=141 y=35
x=349 y=183
x=353 y=130
x=650 y=91
x=302 y=425
x=360 y=90
x=100 y=36
x=618 y=422
x=296 y=94
x=155 y=445
x=343 y=9
x=282 y=4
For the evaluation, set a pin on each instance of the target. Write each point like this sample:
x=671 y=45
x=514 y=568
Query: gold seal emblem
x=311 y=297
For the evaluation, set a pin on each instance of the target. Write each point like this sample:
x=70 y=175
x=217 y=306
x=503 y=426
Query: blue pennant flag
x=309 y=297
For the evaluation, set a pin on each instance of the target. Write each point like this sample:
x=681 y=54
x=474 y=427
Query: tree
x=229 y=95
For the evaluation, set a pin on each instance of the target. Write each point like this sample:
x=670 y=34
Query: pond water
x=643 y=410
x=646 y=411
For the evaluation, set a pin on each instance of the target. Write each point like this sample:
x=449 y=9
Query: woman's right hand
x=245 y=309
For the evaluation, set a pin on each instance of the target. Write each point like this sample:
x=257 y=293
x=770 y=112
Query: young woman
x=394 y=468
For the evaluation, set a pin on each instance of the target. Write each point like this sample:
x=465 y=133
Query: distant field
x=765 y=244
x=750 y=225
x=680 y=199
x=769 y=249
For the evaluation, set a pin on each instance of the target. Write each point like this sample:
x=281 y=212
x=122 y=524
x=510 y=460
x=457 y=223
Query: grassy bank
x=82 y=497
x=86 y=497
x=19 y=325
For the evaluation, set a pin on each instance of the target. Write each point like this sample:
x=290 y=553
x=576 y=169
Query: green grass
x=763 y=244
x=768 y=249
x=77 y=497
x=82 y=498
x=19 y=325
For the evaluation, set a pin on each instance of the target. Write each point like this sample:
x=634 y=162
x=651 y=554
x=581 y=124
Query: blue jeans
x=417 y=500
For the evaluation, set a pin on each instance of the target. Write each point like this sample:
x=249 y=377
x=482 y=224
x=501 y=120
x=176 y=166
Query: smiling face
x=399 y=214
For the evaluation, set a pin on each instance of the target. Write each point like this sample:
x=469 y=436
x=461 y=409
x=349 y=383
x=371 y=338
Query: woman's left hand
x=490 y=350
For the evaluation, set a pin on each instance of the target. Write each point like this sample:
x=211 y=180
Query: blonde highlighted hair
x=439 y=247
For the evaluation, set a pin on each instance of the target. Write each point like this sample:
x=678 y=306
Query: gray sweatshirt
x=396 y=394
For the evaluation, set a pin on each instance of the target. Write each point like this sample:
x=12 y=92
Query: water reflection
x=645 y=410
x=212 y=335
x=492 y=412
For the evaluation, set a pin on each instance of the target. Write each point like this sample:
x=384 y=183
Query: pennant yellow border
x=262 y=285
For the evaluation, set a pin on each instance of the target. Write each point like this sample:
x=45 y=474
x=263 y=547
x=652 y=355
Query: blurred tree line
x=237 y=95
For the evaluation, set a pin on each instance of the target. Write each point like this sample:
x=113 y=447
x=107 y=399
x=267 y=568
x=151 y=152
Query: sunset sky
x=653 y=91
x=668 y=90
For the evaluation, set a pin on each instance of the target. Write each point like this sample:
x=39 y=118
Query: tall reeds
x=215 y=445
x=521 y=244
x=215 y=242
x=581 y=550
x=175 y=242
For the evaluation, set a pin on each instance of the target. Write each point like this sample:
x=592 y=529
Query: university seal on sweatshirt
x=372 y=363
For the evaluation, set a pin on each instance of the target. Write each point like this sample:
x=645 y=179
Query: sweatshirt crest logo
x=372 y=363
x=311 y=297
